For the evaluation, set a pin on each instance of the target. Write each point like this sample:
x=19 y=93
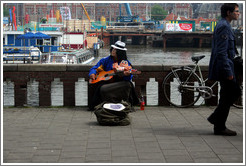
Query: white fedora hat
x=119 y=45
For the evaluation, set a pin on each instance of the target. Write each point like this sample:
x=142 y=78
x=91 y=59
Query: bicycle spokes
x=179 y=87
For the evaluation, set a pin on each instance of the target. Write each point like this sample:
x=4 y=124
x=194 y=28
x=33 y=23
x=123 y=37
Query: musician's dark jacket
x=107 y=63
x=223 y=52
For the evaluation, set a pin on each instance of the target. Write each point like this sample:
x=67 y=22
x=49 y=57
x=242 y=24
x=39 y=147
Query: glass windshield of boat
x=62 y=58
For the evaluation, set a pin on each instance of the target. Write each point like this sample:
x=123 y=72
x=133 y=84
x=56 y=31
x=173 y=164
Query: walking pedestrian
x=221 y=68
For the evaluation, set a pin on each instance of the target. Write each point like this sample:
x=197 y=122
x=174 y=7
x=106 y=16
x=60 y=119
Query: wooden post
x=200 y=42
x=101 y=33
x=164 y=42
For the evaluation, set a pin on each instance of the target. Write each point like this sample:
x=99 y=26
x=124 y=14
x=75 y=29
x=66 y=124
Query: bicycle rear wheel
x=174 y=90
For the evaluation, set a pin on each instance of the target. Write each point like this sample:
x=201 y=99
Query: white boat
x=20 y=55
x=81 y=56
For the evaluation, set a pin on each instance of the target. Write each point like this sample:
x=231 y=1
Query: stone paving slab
x=155 y=135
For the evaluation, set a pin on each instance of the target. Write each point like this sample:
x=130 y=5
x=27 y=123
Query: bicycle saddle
x=197 y=58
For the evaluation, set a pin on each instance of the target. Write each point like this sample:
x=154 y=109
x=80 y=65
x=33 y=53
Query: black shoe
x=210 y=119
x=225 y=132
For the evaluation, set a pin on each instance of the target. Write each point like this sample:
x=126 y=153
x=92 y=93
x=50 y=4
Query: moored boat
x=20 y=55
x=81 y=56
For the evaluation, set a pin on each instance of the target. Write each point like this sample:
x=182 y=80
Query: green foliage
x=158 y=13
x=5 y=12
x=219 y=18
x=43 y=20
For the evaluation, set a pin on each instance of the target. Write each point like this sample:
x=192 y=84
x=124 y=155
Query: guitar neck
x=133 y=71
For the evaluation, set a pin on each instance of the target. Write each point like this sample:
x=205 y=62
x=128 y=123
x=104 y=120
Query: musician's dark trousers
x=229 y=93
x=114 y=92
x=96 y=99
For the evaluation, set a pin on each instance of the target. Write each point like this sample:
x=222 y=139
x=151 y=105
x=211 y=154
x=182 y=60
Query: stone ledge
x=80 y=67
x=10 y=67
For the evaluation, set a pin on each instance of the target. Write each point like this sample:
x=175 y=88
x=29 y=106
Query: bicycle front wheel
x=179 y=87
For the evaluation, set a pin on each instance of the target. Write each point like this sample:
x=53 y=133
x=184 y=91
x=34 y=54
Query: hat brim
x=114 y=46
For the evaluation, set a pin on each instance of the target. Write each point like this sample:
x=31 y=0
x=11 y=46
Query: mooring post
x=101 y=33
x=164 y=42
x=200 y=42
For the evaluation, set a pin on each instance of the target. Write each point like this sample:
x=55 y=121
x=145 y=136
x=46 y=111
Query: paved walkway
x=156 y=135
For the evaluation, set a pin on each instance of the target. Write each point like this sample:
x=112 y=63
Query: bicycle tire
x=239 y=102
x=177 y=96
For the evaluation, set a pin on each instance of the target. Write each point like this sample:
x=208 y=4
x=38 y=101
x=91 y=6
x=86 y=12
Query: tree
x=218 y=18
x=43 y=20
x=5 y=11
x=158 y=13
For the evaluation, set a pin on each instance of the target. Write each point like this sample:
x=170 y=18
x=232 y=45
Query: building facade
x=183 y=10
x=110 y=11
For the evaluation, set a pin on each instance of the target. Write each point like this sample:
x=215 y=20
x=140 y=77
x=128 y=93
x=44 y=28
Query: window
x=89 y=11
x=46 y=41
x=78 y=10
x=49 y=6
x=29 y=11
x=40 y=11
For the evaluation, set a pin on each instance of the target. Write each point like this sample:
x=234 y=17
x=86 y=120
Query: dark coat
x=223 y=52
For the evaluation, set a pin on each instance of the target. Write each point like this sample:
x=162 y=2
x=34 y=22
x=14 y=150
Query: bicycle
x=188 y=86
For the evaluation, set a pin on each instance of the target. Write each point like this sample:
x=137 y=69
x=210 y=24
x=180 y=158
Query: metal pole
x=146 y=7
x=101 y=33
x=120 y=8
x=241 y=51
x=150 y=12
x=110 y=12
x=84 y=38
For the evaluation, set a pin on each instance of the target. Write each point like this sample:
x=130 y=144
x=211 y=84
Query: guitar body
x=107 y=75
x=103 y=76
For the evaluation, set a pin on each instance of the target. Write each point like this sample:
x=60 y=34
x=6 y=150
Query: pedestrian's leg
x=220 y=114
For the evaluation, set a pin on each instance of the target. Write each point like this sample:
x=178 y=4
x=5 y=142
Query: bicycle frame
x=201 y=77
x=203 y=89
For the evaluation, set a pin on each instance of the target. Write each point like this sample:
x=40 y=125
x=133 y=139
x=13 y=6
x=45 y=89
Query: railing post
x=45 y=92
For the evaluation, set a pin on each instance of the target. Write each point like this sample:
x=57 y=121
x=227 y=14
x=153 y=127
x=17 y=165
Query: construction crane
x=128 y=9
x=129 y=17
x=87 y=15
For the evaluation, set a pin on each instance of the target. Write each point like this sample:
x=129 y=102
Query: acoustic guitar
x=107 y=75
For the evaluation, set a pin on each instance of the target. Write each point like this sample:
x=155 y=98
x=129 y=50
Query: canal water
x=141 y=55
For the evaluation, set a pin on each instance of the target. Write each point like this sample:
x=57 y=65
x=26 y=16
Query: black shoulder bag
x=238 y=63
